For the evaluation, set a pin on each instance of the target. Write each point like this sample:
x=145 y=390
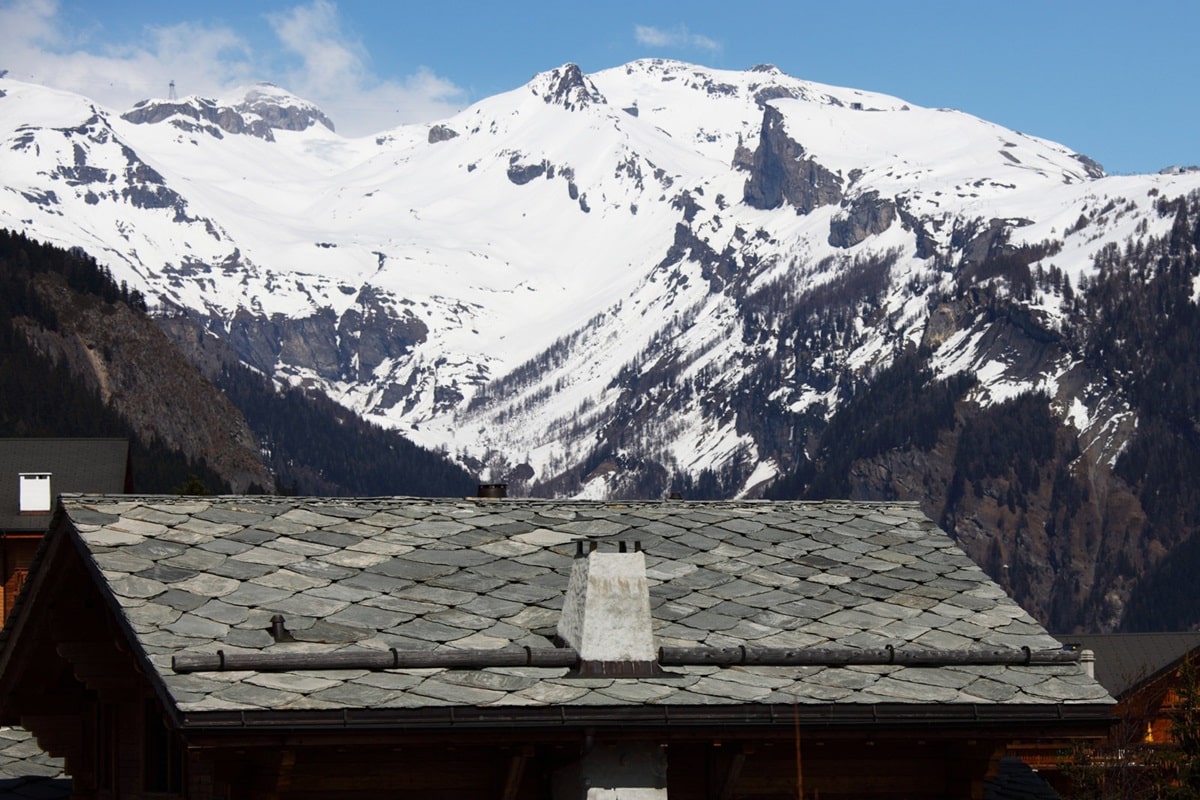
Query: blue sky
x=1113 y=80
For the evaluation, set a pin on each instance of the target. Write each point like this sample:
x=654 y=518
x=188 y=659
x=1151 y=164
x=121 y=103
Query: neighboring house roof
x=1125 y=661
x=375 y=580
x=26 y=771
x=1017 y=781
x=75 y=465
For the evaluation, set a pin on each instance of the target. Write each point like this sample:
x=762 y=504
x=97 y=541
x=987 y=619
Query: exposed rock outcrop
x=281 y=110
x=521 y=174
x=441 y=133
x=865 y=216
x=219 y=118
x=782 y=173
x=334 y=348
x=926 y=241
x=263 y=109
x=568 y=87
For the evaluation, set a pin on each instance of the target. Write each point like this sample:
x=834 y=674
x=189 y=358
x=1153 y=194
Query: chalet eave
x=809 y=716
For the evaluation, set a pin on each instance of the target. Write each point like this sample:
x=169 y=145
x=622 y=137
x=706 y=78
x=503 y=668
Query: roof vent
x=279 y=631
x=492 y=491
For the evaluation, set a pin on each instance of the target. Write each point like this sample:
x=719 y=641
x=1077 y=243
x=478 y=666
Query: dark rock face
x=979 y=244
x=140 y=185
x=743 y=157
x=378 y=332
x=721 y=270
x=290 y=116
x=44 y=199
x=219 y=118
x=781 y=173
x=765 y=94
x=926 y=244
x=441 y=133
x=865 y=216
x=568 y=87
x=345 y=348
x=521 y=174
x=259 y=114
x=1094 y=169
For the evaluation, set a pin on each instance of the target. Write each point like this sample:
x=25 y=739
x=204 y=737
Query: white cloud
x=327 y=66
x=39 y=46
x=678 y=37
x=333 y=71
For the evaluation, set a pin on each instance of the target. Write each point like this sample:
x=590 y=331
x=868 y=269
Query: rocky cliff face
x=568 y=87
x=281 y=110
x=264 y=108
x=348 y=347
x=208 y=118
x=865 y=216
x=781 y=172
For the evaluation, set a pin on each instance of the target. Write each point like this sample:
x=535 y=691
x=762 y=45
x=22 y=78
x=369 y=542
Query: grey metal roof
x=1125 y=660
x=198 y=575
x=75 y=465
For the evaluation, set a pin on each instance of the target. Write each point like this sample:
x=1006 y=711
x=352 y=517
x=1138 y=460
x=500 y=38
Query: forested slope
x=79 y=357
x=1083 y=539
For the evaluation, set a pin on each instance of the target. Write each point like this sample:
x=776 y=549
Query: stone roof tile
x=201 y=574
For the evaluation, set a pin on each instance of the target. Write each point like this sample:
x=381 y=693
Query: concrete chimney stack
x=606 y=612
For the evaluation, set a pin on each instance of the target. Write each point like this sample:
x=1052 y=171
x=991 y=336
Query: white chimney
x=606 y=613
x=1087 y=659
x=35 y=492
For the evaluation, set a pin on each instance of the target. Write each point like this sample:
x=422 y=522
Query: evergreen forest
x=1057 y=527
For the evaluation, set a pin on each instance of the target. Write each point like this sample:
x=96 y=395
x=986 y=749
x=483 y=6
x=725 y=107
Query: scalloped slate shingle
x=200 y=575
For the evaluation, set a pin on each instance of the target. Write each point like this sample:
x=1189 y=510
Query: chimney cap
x=492 y=491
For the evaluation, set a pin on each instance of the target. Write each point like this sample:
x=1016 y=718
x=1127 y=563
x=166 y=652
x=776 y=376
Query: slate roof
x=26 y=771
x=198 y=575
x=75 y=465
x=1126 y=660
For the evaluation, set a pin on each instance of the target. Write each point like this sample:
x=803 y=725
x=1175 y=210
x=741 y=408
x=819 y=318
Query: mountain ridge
x=446 y=346
x=651 y=277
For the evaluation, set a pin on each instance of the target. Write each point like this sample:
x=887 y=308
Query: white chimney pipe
x=1087 y=659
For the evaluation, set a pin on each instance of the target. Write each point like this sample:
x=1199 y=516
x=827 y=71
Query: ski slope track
x=564 y=284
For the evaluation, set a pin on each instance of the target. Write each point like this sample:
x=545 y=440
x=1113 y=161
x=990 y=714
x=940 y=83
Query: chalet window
x=162 y=756
x=35 y=492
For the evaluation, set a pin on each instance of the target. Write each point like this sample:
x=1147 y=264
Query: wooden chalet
x=1142 y=671
x=32 y=472
x=249 y=647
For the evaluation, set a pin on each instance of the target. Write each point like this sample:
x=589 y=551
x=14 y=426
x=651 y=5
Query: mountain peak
x=256 y=110
x=278 y=108
x=568 y=87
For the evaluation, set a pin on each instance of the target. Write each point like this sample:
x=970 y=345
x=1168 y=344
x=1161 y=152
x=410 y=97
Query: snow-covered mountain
x=582 y=282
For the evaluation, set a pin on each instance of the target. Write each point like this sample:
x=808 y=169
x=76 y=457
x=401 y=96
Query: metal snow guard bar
x=362 y=658
x=667 y=657
x=843 y=656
